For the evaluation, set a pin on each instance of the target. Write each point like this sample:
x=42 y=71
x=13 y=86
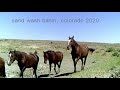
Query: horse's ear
x=14 y=50
x=43 y=51
x=69 y=37
x=72 y=37
x=35 y=52
x=10 y=51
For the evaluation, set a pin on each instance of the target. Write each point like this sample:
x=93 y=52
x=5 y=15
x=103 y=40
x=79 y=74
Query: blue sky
x=102 y=27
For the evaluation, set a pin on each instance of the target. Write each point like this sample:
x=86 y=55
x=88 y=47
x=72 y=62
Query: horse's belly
x=30 y=64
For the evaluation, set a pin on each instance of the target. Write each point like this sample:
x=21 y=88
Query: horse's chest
x=20 y=64
x=74 y=54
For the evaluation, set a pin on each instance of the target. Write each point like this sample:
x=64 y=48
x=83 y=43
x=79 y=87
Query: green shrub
x=116 y=54
x=118 y=50
x=110 y=49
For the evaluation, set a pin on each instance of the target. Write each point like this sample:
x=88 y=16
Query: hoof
x=82 y=68
x=75 y=71
x=56 y=73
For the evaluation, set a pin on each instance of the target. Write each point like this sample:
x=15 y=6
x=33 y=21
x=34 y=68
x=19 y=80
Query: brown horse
x=53 y=57
x=2 y=68
x=24 y=61
x=78 y=51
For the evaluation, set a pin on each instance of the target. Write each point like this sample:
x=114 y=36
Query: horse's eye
x=11 y=55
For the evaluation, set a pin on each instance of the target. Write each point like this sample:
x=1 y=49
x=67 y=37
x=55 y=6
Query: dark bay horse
x=24 y=61
x=78 y=51
x=53 y=57
x=2 y=68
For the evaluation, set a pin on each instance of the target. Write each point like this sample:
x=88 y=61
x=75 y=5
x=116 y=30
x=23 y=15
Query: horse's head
x=70 y=42
x=12 y=57
x=45 y=55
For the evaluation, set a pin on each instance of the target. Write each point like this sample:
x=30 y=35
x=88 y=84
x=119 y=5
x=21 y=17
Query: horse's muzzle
x=45 y=62
x=8 y=64
x=68 y=47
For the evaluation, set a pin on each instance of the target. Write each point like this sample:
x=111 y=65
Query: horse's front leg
x=22 y=70
x=77 y=60
x=74 y=64
x=50 y=69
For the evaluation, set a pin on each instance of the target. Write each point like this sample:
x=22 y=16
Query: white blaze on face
x=69 y=41
x=10 y=55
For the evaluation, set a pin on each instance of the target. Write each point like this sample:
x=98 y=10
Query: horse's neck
x=75 y=45
x=19 y=56
x=51 y=54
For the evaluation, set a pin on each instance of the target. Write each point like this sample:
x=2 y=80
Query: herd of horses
x=79 y=51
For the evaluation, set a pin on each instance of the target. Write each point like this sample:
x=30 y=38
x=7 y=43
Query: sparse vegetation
x=103 y=63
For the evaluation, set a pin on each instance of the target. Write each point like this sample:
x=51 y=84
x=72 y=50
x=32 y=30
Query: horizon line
x=55 y=40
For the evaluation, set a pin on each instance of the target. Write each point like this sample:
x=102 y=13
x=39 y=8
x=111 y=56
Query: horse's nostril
x=67 y=48
x=44 y=62
x=8 y=64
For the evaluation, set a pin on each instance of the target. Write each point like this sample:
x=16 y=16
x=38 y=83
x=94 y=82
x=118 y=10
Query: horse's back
x=31 y=59
x=59 y=55
x=55 y=56
x=84 y=50
x=84 y=45
x=35 y=56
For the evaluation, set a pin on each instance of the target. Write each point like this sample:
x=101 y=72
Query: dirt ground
x=66 y=69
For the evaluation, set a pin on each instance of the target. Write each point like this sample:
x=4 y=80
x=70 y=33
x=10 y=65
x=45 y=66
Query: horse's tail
x=91 y=50
x=36 y=55
x=35 y=52
x=37 y=58
x=4 y=73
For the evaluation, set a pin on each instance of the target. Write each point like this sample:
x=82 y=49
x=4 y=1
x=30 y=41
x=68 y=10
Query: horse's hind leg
x=55 y=68
x=4 y=74
x=34 y=71
x=85 y=61
x=82 y=67
x=50 y=69
x=59 y=64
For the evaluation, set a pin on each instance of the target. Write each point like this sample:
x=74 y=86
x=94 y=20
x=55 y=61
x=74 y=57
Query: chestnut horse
x=24 y=61
x=2 y=68
x=78 y=51
x=53 y=57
